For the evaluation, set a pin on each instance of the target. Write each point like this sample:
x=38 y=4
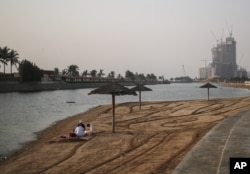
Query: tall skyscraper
x=224 y=58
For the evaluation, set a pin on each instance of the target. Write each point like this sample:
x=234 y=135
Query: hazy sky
x=144 y=36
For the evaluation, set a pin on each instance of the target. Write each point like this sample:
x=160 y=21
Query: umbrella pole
x=113 y=113
x=140 y=99
x=207 y=93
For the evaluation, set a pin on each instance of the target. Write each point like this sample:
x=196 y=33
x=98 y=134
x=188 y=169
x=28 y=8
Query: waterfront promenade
x=229 y=139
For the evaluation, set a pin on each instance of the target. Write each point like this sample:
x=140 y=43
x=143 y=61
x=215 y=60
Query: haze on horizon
x=143 y=36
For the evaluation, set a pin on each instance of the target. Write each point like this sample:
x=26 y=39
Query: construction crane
x=240 y=60
x=216 y=40
x=221 y=39
x=230 y=31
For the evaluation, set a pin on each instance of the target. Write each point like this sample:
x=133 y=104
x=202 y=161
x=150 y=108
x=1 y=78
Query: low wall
x=33 y=87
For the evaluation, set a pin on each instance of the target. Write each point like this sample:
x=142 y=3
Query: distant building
x=241 y=72
x=48 y=75
x=224 y=59
x=205 y=73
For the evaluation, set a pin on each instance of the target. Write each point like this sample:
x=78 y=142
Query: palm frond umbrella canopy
x=208 y=85
x=113 y=89
x=140 y=87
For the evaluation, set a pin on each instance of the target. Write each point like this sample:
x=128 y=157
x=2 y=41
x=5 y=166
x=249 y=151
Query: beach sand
x=151 y=140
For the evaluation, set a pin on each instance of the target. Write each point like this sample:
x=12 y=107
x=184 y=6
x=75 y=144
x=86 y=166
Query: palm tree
x=3 y=61
x=162 y=78
x=4 y=56
x=141 y=77
x=151 y=77
x=111 y=74
x=119 y=76
x=100 y=74
x=129 y=75
x=85 y=73
x=56 y=71
x=73 y=70
x=13 y=58
x=64 y=71
x=93 y=73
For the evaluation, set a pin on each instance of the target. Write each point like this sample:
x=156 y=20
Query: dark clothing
x=72 y=135
x=81 y=124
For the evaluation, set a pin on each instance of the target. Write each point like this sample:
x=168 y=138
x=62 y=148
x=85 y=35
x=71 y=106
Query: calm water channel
x=23 y=114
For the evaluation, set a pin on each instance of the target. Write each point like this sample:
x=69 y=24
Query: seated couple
x=81 y=131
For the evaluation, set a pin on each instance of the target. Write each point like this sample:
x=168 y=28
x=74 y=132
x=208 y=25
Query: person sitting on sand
x=81 y=124
x=80 y=131
x=89 y=129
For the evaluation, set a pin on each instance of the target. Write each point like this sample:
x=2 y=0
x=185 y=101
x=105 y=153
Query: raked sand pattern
x=151 y=140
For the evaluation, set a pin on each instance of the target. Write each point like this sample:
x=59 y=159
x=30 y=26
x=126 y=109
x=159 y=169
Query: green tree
x=13 y=58
x=151 y=77
x=73 y=70
x=161 y=78
x=111 y=75
x=3 y=61
x=129 y=75
x=141 y=76
x=56 y=71
x=100 y=74
x=93 y=73
x=184 y=79
x=4 y=54
x=29 y=72
x=85 y=73
x=64 y=72
x=119 y=76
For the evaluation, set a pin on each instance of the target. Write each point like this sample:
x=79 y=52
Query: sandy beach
x=151 y=140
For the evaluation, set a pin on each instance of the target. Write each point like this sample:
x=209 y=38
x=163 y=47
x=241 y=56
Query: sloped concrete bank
x=34 y=87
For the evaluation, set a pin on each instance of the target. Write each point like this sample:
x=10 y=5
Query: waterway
x=24 y=114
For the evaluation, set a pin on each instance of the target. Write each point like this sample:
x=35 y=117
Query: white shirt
x=79 y=131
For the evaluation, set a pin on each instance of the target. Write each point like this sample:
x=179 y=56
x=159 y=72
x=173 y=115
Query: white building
x=205 y=73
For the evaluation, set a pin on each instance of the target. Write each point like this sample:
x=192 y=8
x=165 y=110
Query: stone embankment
x=34 y=87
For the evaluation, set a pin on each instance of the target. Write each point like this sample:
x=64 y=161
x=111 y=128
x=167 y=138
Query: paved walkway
x=230 y=138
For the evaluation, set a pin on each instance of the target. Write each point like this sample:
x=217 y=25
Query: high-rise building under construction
x=224 y=59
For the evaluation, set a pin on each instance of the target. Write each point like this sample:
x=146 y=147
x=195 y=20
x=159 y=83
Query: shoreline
x=236 y=85
x=41 y=134
x=6 y=87
x=166 y=129
x=71 y=120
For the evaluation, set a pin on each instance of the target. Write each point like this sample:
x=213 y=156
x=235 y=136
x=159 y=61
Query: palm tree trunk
x=113 y=113
x=4 y=70
x=11 y=68
x=16 y=66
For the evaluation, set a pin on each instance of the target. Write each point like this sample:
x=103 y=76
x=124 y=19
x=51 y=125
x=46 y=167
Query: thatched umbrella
x=140 y=87
x=208 y=85
x=113 y=89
